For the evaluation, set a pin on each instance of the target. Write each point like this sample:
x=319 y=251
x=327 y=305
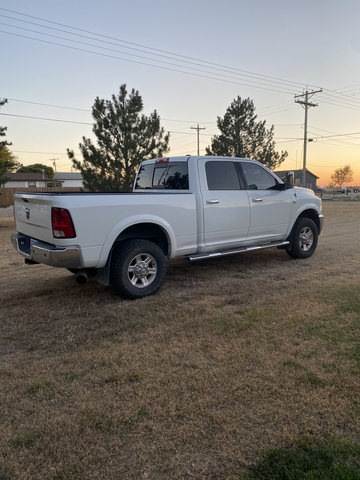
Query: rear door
x=226 y=213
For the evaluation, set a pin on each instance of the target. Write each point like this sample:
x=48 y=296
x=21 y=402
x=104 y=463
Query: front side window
x=169 y=176
x=222 y=175
x=257 y=178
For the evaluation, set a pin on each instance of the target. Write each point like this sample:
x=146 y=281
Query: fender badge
x=27 y=213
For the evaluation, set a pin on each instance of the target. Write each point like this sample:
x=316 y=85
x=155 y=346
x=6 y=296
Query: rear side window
x=169 y=176
x=222 y=175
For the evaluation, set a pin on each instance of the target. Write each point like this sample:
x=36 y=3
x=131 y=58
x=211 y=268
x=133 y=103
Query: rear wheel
x=304 y=239
x=138 y=268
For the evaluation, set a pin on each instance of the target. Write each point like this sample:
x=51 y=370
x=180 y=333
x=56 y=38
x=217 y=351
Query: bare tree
x=342 y=175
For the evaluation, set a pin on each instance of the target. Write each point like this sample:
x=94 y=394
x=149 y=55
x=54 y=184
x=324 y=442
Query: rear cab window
x=163 y=175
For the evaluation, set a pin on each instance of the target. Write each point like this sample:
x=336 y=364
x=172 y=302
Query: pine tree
x=3 y=143
x=125 y=137
x=8 y=161
x=245 y=137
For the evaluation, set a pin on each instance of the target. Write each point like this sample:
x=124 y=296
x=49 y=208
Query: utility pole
x=53 y=160
x=306 y=104
x=198 y=130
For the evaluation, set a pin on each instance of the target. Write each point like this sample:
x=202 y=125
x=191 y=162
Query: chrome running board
x=203 y=256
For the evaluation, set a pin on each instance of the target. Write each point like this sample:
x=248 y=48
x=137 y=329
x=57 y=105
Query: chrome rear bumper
x=42 y=252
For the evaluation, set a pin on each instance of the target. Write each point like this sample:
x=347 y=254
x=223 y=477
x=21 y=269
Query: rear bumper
x=41 y=252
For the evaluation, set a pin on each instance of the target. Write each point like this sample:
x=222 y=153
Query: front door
x=270 y=207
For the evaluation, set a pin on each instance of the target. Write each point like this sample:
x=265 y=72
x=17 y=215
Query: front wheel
x=138 y=269
x=304 y=239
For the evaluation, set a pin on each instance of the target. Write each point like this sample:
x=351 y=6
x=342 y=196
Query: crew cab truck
x=195 y=207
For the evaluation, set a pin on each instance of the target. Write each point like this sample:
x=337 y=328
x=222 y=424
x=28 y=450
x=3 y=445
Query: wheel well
x=313 y=215
x=146 y=231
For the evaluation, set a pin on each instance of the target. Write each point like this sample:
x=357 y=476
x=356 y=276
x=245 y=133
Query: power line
x=46 y=104
x=151 y=50
x=39 y=153
x=47 y=119
x=209 y=75
x=202 y=62
x=88 y=110
x=254 y=80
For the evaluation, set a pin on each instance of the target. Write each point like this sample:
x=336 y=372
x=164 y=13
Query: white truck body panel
x=220 y=204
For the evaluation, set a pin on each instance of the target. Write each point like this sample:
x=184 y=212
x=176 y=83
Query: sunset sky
x=189 y=60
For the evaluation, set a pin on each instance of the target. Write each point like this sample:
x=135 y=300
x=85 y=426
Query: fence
x=7 y=194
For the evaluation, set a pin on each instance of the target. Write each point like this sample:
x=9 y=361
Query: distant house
x=27 y=180
x=68 y=179
x=310 y=179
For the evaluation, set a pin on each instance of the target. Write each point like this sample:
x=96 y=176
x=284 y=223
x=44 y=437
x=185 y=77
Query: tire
x=304 y=239
x=138 y=269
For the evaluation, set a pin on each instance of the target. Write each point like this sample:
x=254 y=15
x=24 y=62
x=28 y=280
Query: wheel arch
x=313 y=215
x=308 y=213
x=145 y=231
x=151 y=228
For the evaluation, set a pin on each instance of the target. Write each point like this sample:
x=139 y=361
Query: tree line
x=125 y=136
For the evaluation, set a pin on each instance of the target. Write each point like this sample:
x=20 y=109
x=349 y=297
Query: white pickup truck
x=195 y=207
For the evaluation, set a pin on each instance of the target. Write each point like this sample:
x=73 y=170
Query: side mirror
x=289 y=182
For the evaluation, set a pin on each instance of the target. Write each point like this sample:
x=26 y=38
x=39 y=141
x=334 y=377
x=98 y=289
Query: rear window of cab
x=165 y=176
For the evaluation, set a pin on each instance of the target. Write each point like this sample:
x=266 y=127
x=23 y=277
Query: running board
x=203 y=256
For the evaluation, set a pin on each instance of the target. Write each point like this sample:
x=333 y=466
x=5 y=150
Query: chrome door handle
x=257 y=199
x=212 y=201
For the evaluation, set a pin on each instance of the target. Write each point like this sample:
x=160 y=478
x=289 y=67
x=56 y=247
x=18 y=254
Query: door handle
x=212 y=201
x=257 y=199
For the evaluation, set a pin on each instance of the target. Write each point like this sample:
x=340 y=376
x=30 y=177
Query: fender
x=137 y=220
x=307 y=210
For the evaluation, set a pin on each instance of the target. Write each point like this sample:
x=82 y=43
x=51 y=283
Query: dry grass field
x=233 y=358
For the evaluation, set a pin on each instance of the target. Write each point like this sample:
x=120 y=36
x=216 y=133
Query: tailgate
x=33 y=215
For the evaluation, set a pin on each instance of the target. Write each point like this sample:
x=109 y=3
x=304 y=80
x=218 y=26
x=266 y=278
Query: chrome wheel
x=142 y=270
x=306 y=239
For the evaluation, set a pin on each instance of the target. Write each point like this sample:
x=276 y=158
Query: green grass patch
x=310 y=459
x=314 y=380
x=243 y=320
x=26 y=439
x=339 y=329
x=115 y=425
x=36 y=387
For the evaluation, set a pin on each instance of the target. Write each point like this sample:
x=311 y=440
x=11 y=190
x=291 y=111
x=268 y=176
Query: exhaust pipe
x=81 y=277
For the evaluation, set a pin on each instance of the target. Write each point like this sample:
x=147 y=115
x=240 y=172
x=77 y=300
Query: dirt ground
x=233 y=355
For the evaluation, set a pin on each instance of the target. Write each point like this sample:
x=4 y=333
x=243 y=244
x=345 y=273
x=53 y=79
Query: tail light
x=62 y=224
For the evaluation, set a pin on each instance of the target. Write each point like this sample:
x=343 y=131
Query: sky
x=189 y=60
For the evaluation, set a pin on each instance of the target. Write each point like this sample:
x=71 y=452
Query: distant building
x=310 y=179
x=27 y=180
x=68 y=179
